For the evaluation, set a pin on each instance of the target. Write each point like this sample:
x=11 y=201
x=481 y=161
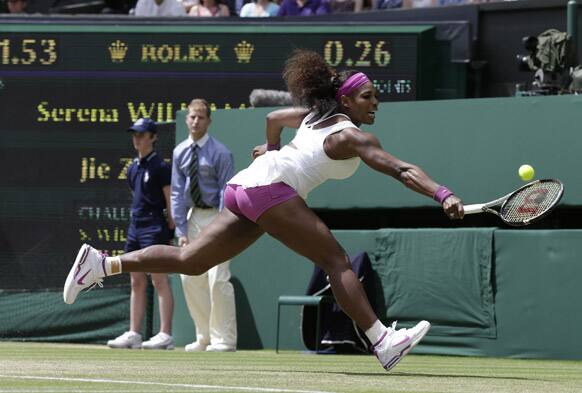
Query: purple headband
x=351 y=84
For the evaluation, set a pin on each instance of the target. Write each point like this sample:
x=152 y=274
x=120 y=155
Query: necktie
x=193 y=172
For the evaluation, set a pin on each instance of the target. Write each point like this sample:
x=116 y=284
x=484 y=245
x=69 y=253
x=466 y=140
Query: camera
x=529 y=62
x=551 y=57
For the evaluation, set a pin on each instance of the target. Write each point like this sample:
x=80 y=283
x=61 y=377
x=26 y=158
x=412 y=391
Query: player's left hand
x=453 y=207
x=259 y=150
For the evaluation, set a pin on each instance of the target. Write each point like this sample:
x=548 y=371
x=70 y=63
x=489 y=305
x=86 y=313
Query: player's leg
x=294 y=224
x=225 y=237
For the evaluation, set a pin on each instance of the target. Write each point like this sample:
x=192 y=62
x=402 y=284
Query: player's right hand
x=259 y=150
x=182 y=241
x=453 y=207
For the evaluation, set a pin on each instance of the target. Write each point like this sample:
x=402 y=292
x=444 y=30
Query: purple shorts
x=254 y=201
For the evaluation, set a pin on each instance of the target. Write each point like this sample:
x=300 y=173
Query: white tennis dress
x=301 y=164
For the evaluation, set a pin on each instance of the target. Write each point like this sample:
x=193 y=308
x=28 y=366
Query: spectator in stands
x=235 y=6
x=435 y=3
x=259 y=9
x=452 y=2
x=118 y=6
x=304 y=7
x=388 y=4
x=149 y=179
x=269 y=197
x=418 y=3
x=338 y=6
x=209 y=8
x=159 y=8
x=15 y=6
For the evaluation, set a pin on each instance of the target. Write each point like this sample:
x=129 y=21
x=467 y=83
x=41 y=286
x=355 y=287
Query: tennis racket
x=524 y=205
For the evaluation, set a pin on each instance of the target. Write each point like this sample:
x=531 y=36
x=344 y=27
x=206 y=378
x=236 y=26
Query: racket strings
x=531 y=202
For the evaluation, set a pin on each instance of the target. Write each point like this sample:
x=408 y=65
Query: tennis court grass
x=32 y=367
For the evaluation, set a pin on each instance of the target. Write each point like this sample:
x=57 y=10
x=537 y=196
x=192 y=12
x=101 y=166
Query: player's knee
x=336 y=266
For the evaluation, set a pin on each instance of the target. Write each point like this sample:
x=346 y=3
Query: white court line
x=175 y=385
x=87 y=390
x=65 y=390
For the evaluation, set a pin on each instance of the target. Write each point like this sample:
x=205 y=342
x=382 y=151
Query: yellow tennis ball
x=526 y=172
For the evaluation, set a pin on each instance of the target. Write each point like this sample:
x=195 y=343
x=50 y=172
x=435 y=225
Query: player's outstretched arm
x=352 y=142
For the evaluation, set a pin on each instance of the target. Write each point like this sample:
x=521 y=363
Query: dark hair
x=311 y=81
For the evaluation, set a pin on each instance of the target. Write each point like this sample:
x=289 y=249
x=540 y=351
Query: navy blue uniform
x=147 y=177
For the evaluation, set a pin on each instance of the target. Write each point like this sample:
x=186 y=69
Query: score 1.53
x=28 y=51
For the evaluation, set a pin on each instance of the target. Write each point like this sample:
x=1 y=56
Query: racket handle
x=473 y=209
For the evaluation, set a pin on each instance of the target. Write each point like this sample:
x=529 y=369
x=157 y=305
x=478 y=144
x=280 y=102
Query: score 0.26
x=369 y=54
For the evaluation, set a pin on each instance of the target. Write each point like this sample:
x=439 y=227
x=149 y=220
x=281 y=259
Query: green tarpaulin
x=442 y=276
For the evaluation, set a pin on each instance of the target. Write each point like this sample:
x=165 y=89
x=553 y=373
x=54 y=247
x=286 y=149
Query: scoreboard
x=68 y=92
x=160 y=67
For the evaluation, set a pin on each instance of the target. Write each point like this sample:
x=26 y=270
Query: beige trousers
x=210 y=296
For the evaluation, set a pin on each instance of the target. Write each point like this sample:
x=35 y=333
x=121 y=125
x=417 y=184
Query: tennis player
x=269 y=196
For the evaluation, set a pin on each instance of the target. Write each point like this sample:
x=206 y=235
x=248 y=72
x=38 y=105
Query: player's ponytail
x=312 y=82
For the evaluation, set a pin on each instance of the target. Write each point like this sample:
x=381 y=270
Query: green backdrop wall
x=487 y=292
x=473 y=146
x=531 y=276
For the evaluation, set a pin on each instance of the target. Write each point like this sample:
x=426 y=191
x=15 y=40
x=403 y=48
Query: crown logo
x=117 y=51
x=244 y=51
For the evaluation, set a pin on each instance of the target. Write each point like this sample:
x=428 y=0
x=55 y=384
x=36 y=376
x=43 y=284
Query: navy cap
x=143 y=125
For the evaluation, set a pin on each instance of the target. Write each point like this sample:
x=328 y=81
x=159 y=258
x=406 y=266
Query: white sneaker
x=220 y=348
x=159 y=341
x=130 y=340
x=395 y=344
x=195 y=347
x=87 y=271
